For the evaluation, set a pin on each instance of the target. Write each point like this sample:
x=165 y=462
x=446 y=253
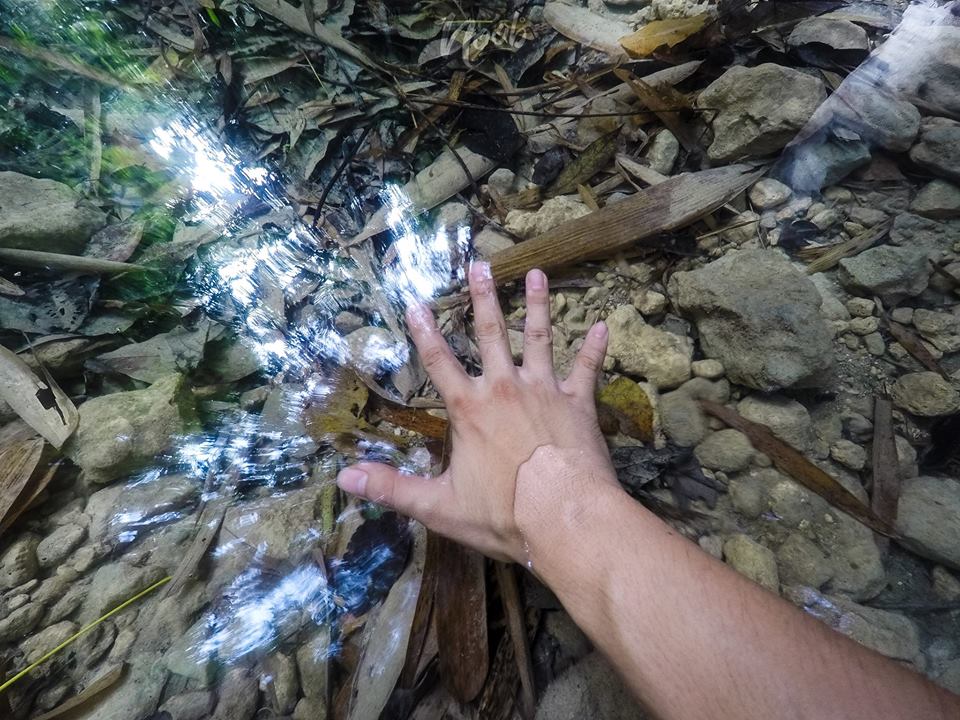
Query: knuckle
x=489 y=330
x=590 y=360
x=433 y=357
x=538 y=335
x=461 y=405
x=505 y=389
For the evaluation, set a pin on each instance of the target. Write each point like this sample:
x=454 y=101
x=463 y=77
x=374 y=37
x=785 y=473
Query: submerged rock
x=939 y=148
x=893 y=273
x=19 y=563
x=760 y=317
x=939 y=200
x=643 y=350
x=758 y=110
x=588 y=689
x=121 y=432
x=925 y=394
x=928 y=518
x=45 y=215
x=832 y=33
x=752 y=560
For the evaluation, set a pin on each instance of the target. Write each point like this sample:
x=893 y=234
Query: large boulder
x=758 y=110
x=121 y=432
x=928 y=518
x=38 y=214
x=760 y=317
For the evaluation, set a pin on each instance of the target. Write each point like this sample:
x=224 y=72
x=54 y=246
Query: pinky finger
x=583 y=377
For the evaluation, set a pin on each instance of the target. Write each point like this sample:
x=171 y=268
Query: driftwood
x=57 y=261
x=670 y=205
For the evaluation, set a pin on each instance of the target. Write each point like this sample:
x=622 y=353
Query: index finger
x=445 y=371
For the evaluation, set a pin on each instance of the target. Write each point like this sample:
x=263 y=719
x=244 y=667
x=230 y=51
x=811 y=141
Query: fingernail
x=599 y=331
x=480 y=270
x=352 y=480
x=536 y=280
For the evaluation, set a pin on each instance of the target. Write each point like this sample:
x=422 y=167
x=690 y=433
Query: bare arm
x=530 y=480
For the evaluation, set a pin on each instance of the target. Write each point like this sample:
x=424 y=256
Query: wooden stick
x=670 y=205
x=57 y=261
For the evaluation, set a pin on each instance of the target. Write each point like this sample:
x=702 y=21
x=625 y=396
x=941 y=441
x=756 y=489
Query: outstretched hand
x=499 y=421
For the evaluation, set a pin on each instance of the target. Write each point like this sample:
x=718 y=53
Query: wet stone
x=57 y=546
x=925 y=394
x=726 y=450
x=752 y=560
x=769 y=193
x=893 y=273
x=928 y=517
x=642 y=350
x=19 y=563
x=939 y=200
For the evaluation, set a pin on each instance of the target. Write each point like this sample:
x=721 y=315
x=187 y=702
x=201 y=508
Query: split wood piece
x=671 y=205
x=886 y=479
x=912 y=343
x=103 y=682
x=461 y=619
x=208 y=527
x=794 y=464
x=57 y=261
x=517 y=626
x=832 y=255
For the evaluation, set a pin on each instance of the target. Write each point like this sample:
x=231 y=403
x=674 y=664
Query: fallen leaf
x=587 y=27
x=592 y=160
x=658 y=33
x=794 y=464
x=669 y=105
x=18 y=462
x=102 y=682
x=633 y=407
x=825 y=258
x=338 y=411
x=40 y=403
x=9 y=288
x=385 y=637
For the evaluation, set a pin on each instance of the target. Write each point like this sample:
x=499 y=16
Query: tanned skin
x=530 y=480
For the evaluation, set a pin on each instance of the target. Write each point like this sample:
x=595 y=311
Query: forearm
x=689 y=634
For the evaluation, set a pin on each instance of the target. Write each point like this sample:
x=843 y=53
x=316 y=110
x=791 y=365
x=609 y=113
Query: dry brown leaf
x=39 y=403
x=18 y=462
x=658 y=33
x=595 y=158
x=667 y=104
x=632 y=406
x=794 y=464
x=105 y=681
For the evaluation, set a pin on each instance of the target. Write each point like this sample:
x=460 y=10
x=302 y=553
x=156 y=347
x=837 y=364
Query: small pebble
x=849 y=454
x=709 y=369
x=861 y=307
x=851 y=341
x=902 y=315
x=875 y=344
x=864 y=325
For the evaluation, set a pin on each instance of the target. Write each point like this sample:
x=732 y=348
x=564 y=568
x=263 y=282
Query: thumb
x=412 y=495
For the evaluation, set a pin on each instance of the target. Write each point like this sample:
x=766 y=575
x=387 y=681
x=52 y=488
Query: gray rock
x=821 y=161
x=769 y=193
x=661 y=155
x=18 y=564
x=928 y=518
x=801 y=562
x=375 y=350
x=932 y=236
x=760 y=317
x=502 y=180
x=190 y=705
x=893 y=273
x=645 y=351
x=45 y=215
x=15 y=626
x=313 y=662
x=939 y=148
x=865 y=215
x=925 y=394
x=758 y=110
x=939 y=200
x=589 y=689
x=949 y=676
x=752 y=560
x=113 y=584
x=37 y=645
x=680 y=414
x=876 y=116
x=931 y=323
x=310 y=709
x=57 y=546
x=834 y=33
x=709 y=369
x=789 y=420
x=849 y=454
x=726 y=450
x=555 y=211
x=488 y=242
x=890 y=634
x=238 y=696
x=282 y=673
x=121 y=432
x=946 y=586
x=137 y=694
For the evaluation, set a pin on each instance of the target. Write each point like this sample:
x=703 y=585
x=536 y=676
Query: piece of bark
x=423 y=616
x=886 y=480
x=794 y=464
x=461 y=618
x=673 y=204
x=517 y=627
x=829 y=257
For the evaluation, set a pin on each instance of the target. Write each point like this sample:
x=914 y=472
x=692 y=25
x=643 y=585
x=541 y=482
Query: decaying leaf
x=794 y=464
x=667 y=104
x=587 y=27
x=591 y=161
x=671 y=205
x=18 y=463
x=40 y=403
x=29 y=495
x=339 y=410
x=633 y=406
x=825 y=258
x=385 y=637
x=660 y=33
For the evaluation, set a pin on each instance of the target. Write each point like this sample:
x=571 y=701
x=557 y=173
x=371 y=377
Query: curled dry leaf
x=18 y=462
x=660 y=33
x=40 y=403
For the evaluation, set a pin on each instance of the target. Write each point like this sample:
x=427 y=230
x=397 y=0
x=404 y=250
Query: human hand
x=498 y=421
